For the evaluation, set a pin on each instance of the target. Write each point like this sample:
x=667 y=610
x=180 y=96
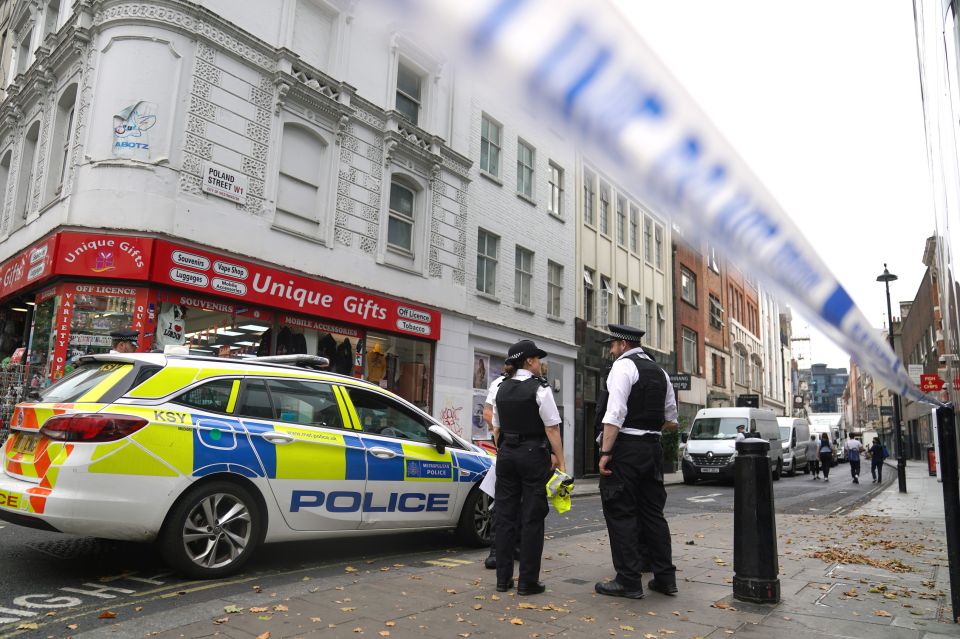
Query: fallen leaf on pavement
x=347 y=609
x=358 y=629
x=648 y=635
x=384 y=633
x=451 y=591
x=626 y=627
x=280 y=608
x=259 y=609
x=350 y=569
x=72 y=626
x=517 y=621
x=477 y=606
x=390 y=624
x=28 y=626
x=494 y=597
x=881 y=613
x=108 y=614
x=232 y=608
x=219 y=621
x=265 y=617
x=851 y=593
x=265 y=635
x=527 y=606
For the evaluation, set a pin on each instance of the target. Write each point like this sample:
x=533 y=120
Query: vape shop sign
x=223 y=182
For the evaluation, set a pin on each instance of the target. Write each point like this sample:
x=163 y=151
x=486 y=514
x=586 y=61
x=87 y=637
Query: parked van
x=794 y=435
x=710 y=445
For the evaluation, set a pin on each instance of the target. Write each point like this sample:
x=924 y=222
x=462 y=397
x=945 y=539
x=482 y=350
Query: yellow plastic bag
x=558 y=490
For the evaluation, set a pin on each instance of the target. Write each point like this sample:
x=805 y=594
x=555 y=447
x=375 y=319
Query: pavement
x=879 y=571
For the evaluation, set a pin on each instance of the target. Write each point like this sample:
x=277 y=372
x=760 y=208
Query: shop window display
x=42 y=342
x=94 y=318
x=400 y=365
x=211 y=328
x=342 y=345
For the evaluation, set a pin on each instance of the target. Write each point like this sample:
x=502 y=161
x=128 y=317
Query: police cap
x=624 y=332
x=125 y=336
x=523 y=349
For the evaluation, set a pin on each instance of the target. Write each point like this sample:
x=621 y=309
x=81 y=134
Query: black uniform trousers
x=523 y=470
x=633 y=498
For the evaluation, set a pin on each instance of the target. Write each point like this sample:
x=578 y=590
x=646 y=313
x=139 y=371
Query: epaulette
x=543 y=380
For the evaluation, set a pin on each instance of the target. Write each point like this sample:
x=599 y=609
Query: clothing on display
x=171 y=327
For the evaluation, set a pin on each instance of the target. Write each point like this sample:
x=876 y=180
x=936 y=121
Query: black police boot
x=615 y=589
x=490 y=563
x=534 y=588
x=662 y=587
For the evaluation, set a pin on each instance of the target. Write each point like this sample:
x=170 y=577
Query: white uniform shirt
x=492 y=390
x=623 y=375
x=548 y=406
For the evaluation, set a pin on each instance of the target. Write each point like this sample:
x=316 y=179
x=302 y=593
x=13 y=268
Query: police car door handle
x=278 y=438
x=382 y=453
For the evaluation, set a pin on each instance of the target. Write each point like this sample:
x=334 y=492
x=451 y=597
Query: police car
x=212 y=457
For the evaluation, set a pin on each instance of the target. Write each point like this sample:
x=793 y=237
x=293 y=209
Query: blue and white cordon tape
x=579 y=64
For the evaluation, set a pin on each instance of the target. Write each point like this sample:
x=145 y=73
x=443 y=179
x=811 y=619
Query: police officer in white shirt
x=526 y=426
x=491 y=561
x=641 y=403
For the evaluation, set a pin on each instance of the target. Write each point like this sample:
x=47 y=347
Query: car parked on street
x=794 y=435
x=211 y=457
x=710 y=449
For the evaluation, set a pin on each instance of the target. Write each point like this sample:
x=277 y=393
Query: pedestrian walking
x=826 y=455
x=812 y=453
x=526 y=426
x=853 y=448
x=877 y=453
x=640 y=404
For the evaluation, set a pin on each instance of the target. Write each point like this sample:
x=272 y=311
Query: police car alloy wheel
x=475 y=519
x=212 y=531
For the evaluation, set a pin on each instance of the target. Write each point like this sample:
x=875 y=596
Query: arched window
x=28 y=165
x=740 y=365
x=302 y=155
x=60 y=145
x=757 y=374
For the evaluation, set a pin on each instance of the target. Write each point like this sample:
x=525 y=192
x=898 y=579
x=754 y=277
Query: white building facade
x=285 y=176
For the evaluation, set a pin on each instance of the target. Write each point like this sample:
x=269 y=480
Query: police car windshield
x=716 y=428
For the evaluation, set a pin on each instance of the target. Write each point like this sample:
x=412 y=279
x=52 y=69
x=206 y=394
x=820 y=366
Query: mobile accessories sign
x=223 y=182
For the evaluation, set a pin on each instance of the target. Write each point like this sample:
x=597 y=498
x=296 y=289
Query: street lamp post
x=886 y=277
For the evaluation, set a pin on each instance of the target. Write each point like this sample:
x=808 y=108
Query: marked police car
x=211 y=457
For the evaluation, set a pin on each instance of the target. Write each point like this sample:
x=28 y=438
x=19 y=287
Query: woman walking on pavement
x=526 y=425
x=812 y=453
x=826 y=455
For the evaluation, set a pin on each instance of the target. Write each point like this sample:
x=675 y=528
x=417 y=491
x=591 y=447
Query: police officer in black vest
x=526 y=426
x=640 y=403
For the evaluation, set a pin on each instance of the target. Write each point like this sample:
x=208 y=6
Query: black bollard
x=755 y=561
x=947 y=439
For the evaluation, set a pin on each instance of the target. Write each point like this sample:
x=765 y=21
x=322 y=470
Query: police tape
x=579 y=65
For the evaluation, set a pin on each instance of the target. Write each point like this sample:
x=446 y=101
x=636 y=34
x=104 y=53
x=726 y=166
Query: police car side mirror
x=441 y=438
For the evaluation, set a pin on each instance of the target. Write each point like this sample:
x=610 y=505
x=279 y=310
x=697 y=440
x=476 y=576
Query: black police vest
x=517 y=407
x=645 y=410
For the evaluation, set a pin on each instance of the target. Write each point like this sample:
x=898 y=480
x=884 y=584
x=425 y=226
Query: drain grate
x=75 y=548
x=576 y=582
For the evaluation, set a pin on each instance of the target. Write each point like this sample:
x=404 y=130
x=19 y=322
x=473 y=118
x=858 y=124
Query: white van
x=794 y=435
x=710 y=445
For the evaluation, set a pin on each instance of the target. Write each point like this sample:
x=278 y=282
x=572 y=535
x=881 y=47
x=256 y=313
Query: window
x=648 y=239
x=28 y=164
x=213 y=396
x=400 y=222
x=634 y=220
x=633 y=313
x=256 y=401
x=60 y=150
x=23 y=53
x=588 y=303
x=648 y=324
x=621 y=221
x=408 y=93
x=488 y=246
x=381 y=415
x=741 y=366
x=621 y=305
x=712 y=260
x=490 y=146
x=588 y=192
x=554 y=288
x=525 y=156
x=305 y=402
x=716 y=313
x=719 y=370
x=689 y=351
x=606 y=297
x=555 y=205
x=757 y=375
x=523 y=271
x=688 y=286
x=4 y=181
x=299 y=186
x=658 y=239
x=52 y=17
x=661 y=326
x=604 y=209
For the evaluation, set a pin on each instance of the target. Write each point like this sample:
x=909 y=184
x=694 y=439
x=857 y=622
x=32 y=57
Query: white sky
x=822 y=99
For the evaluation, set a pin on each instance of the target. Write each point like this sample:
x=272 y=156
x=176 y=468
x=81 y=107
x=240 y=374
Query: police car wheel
x=475 y=519
x=212 y=530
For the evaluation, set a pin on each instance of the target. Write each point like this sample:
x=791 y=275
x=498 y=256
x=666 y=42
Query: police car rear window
x=83 y=381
